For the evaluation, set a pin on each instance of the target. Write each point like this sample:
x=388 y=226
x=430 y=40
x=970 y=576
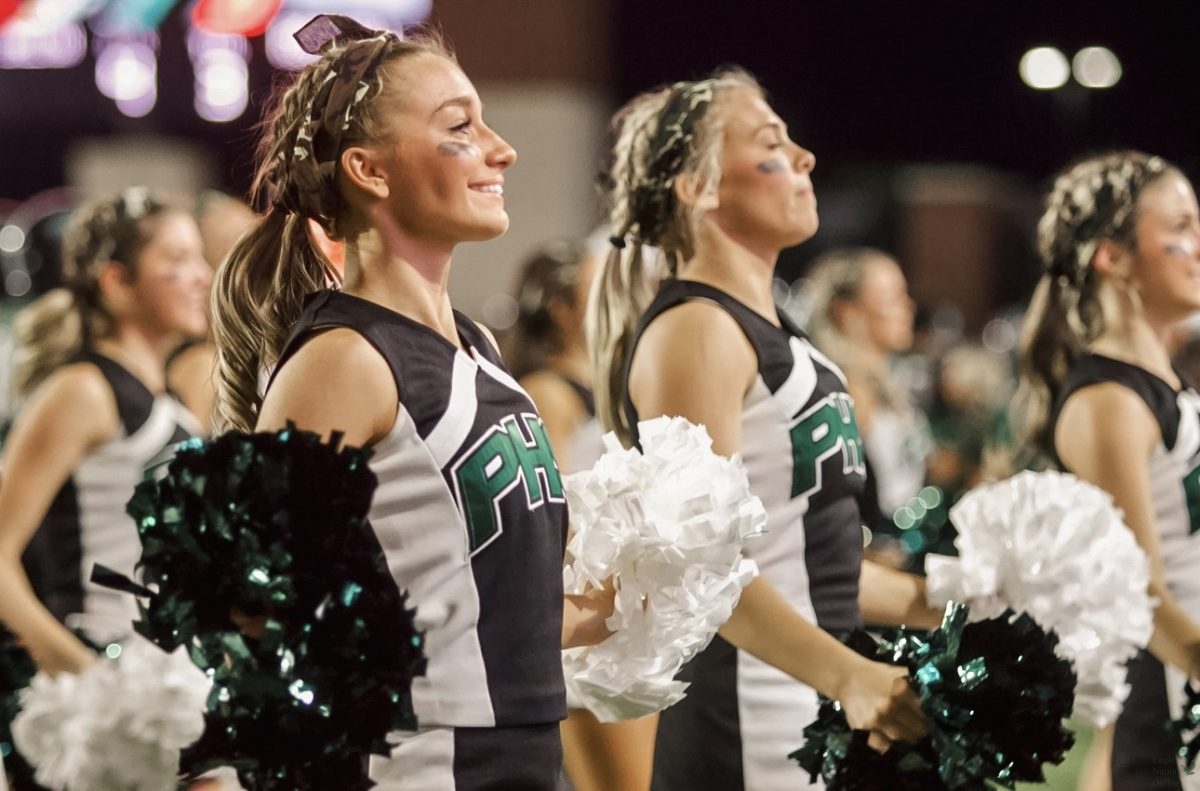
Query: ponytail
x=257 y=298
x=45 y=334
x=624 y=289
x=1053 y=337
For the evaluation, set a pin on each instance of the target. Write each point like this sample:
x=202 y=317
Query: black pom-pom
x=994 y=694
x=270 y=530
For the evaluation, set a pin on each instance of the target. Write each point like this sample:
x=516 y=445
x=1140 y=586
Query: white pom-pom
x=1051 y=545
x=118 y=726
x=667 y=526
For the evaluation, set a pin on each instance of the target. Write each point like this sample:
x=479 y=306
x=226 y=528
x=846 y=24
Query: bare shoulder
x=336 y=381
x=698 y=334
x=1105 y=417
x=552 y=394
x=74 y=406
x=79 y=387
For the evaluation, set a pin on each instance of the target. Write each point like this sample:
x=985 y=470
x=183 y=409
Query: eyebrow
x=777 y=126
x=457 y=101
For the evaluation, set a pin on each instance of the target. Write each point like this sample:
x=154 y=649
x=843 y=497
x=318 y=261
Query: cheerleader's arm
x=68 y=415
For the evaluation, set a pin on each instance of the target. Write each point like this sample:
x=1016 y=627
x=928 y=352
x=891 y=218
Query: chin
x=483 y=231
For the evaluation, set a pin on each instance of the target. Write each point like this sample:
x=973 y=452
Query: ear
x=1112 y=259
x=362 y=168
x=115 y=283
x=843 y=311
x=688 y=190
x=560 y=312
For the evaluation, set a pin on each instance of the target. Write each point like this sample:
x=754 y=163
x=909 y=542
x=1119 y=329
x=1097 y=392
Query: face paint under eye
x=454 y=148
x=771 y=166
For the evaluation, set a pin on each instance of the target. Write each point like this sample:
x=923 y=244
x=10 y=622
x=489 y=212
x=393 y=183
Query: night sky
x=937 y=81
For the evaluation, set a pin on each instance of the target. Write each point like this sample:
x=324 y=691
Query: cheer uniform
x=471 y=515
x=802 y=452
x=1143 y=754
x=86 y=523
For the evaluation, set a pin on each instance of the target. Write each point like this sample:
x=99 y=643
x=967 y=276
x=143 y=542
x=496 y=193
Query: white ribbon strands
x=667 y=526
x=1051 y=545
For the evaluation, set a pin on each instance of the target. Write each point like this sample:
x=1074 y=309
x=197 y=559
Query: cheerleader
x=706 y=172
x=861 y=316
x=383 y=143
x=95 y=413
x=1120 y=238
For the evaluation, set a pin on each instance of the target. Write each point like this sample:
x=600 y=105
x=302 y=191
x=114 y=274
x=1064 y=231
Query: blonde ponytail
x=45 y=335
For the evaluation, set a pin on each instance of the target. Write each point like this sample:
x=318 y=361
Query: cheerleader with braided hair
x=705 y=172
x=94 y=410
x=1120 y=238
x=382 y=141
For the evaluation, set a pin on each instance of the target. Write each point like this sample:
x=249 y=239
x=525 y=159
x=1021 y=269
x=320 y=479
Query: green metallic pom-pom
x=994 y=695
x=270 y=531
x=16 y=671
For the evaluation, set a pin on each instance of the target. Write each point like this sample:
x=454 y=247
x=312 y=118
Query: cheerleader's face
x=444 y=166
x=765 y=198
x=1166 y=261
x=886 y=307
x=169 y=287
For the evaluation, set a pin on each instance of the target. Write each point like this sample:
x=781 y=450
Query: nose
x=500 y=154
x=804 y=160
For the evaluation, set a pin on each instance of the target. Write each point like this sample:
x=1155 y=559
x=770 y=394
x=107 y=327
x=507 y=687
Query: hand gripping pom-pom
x=273 y=527
x=1055 y=547
x=667 y=526
x=994 y=695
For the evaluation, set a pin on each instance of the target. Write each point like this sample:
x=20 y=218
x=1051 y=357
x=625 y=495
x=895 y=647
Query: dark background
x=875 y=89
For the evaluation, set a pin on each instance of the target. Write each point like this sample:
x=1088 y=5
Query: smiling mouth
x=490 y=189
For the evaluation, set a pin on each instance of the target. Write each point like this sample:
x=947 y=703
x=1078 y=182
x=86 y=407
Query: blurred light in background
x=12 y=239
x=282 y=50
x=1096 y=67
x=235 y=17
x=127 y=73
x=500 y=311
x=1044 y=68
x=118 y=17
x=1000 y=336
x=30 y=241
x=221 y=66
x=28 y=44
x=7 y=9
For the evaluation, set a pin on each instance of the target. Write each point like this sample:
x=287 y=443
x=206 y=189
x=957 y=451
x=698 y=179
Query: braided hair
x=1091 y=201
x=660 y=135
x=337 y=101
x=67 y=319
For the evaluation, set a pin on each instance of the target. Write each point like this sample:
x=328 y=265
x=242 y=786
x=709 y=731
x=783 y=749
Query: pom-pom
x=1186 y=728
x=667 y=526
x=1053 y=546
x=274 y=526
x=16 y=671
x=117 y=726
x=994 y=695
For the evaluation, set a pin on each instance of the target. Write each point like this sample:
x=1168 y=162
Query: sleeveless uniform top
x=470 y=514
x=87 y=524
x=1174 y=465
x=1143 y=752
x=803 y=454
